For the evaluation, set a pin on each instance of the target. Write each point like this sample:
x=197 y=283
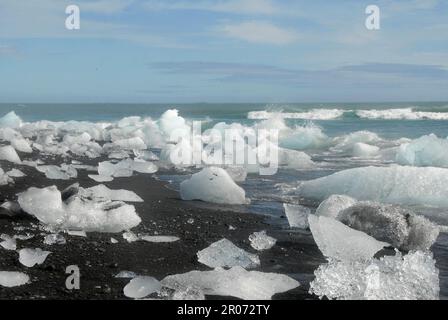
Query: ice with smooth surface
x=8 y=153
x=427 y=151
x=412 y=277
x=337 y=241
x=79 y=214
x=159 y=239
x=213 y=185
x=260 y=241
x=141 y=287
x=297 y=215
x=100 y=178
x=11 y=279
x=395 y=184
x=224 y=253
x=30 y=257
x=334 y=205
x=236 y=282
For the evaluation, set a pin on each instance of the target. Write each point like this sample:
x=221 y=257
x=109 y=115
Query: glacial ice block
x=297 y=215
x=427 y=151
x=395 y=184
x=30 y=257
x=79 y=214
x=11 y=279
x=261 y=241
x=224 y=253
x=337 y=241
x=141 y=287
x=236 y=282
x=332 y=206
x=412 y=277
x=213 y=185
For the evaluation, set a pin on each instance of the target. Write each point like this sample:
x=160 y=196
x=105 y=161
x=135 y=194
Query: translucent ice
x=141 y=287
x=212 y=185
x=64 y=172
x=336 y=240
x=261 y=241
x=8 y=153
x=11 y=279
x=100 y=178
x=236 y=282
x=30 y=257
x=297 y=215
x=412 y=277
x=101 y=191
x=224 y=253
x=158 y=239
x=15 y=173
x=428 y=151
x=21 y=145
x=395 y=184
x=332 y=206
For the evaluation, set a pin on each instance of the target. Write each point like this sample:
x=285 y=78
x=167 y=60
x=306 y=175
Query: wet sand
x=162 y=213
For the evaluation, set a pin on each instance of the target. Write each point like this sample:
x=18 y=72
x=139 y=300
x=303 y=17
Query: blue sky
x=223 y=51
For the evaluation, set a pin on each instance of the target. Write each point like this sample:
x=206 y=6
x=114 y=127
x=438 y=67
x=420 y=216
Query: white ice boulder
x=337 y=241
x=8 y=153
x=30 y=257
x=79 y=214
x=213 y=185
x=141 y=287
x=297 y=215
x=260 y=241
x=11 y=279
x=412 y=277
x=332 y=206
x=224 y=253
x=236 y=282
x=395 y=184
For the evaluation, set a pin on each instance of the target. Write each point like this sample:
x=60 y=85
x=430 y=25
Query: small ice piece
x=54 y=238
x=412 y=277
x=159 y=239
x=130 y=236
x=100 y=178
x=236 y=282
x=213 y=185
x=141 y=287
x=30 y=257
x=261 y=241
x=189 y=293
x=8 y=153
x=101 y=191
x=77 y=233
x=126 y=274
x=15 y=173
x=297 y=215
x=4 y=178
x=336 y=240
x=332 y=206
x=8 y=243
x=11 y=279
x=145 y=155
x=113 y=240
x=363 y=150
x=224 y=253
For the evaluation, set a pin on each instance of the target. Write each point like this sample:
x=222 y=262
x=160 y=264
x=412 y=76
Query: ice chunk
x=412 y=277
x=129 y=236
x=261 y=241
x=170 y=121
x=54 y=238
x=77 y=233
x=395 y=184
x=159 y=239
x=212 y=185
x=64 y=172
x=428 y=151
x=141 y=287
x=10 y=208
x=10 y=120
x=100 y=178
x=224 y=253
x=101 y=191
x=336 y=240
x=125 y=168
x=11 y=279
x=8 y=153
x=332 y=206
x=113 y=240
x=21 y=145
x=30 y=257
x=363 y=150
x=79 y=213
x=297 y=215
x=126 y=274
x=236 y=282
x=293 y=159
x=15 y=173
x=8 y=242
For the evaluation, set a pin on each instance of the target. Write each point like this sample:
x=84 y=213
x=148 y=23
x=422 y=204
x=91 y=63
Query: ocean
x=388 y=125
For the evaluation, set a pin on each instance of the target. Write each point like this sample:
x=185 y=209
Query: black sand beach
x=162 y=213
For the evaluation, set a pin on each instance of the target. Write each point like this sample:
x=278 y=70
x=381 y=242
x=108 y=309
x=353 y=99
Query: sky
x=174 y=51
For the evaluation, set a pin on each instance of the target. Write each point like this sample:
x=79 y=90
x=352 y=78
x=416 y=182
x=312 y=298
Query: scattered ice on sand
x=126 y=274
x=236 y=282
x=54 y=238
x=11 y=279
x=8 y=243
x=297 y=215
x=8 y=153
x=4 y=178
x=30 y=257
x=15 y=173
x=412 y=277
x=336 y=240
x=212 y=185
x=130 y=236
x=224 y=253
x=100 y=178
x=261 y=241
x=141 y=287
x=333 y=205
x=77 y=213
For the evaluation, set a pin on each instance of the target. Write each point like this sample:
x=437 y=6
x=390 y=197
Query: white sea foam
x=314 y=114
x=401 y=114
